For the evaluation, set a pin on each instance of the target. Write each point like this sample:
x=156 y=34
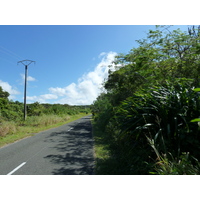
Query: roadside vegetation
x=40 y=117
x=147 y=120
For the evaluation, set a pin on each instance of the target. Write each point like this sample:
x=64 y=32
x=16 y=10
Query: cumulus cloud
x=89 y=85
x=8 y=88
x=42 y=98
x=29 y=78
x=33 y=98
x=58 y=91
x=87 y=88
x=49 y=96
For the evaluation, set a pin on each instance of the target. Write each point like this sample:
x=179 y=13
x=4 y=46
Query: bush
x=162 y=114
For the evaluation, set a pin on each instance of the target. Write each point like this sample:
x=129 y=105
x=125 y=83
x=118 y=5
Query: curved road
x=66 y=150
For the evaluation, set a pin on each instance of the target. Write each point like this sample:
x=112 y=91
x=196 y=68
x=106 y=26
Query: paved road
x=66 y=150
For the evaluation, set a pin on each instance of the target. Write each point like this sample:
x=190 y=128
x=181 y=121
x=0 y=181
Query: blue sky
x=71 y=61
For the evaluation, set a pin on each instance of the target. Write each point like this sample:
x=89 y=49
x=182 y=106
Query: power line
x=9 y=53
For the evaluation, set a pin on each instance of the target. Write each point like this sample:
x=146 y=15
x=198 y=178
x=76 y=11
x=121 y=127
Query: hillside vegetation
x=146 y=121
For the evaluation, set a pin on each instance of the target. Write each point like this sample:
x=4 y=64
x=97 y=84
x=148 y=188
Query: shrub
x=163 y=114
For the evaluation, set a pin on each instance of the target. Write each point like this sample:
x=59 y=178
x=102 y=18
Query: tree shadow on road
x=74 y=151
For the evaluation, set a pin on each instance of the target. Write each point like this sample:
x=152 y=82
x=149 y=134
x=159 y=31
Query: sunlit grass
x=104 y=162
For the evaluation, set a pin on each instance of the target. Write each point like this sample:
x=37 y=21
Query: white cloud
x=33 y=98
x=87 y=88
x=58 y=91
x=49 y=96
x=102 y=54
x=89 y=85
x=42 y=98
x=8 y=88
x=29 y=78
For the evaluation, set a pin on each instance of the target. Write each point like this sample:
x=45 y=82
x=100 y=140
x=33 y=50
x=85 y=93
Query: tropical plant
x=182 y=165
x=163 y=113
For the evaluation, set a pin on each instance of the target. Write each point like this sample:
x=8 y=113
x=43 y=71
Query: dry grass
x=46 y=120
x=12 y=131
x=10 y=127
x=7 y=128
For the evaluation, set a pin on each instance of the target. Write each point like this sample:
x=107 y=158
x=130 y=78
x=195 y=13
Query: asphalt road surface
x=66 y=150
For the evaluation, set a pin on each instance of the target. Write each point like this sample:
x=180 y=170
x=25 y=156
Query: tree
x=3 y=94
x=163 y=56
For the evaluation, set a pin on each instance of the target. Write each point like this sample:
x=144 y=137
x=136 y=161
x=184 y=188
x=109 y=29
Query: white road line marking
x=70 y=129
x=14 y=170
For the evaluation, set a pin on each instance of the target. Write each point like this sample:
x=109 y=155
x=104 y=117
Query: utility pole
x=26 y=63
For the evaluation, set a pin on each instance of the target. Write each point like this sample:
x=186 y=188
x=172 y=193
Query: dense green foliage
x=150 y=102
x=13 y=111
x=3 y=94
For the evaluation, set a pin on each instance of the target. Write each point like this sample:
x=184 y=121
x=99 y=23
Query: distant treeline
x=14 y=110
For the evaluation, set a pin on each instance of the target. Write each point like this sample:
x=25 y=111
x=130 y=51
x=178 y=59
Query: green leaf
x=195 y=120
x=196 y=89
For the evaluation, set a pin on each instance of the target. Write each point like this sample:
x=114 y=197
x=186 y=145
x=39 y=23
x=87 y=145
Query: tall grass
x=11 y=127
x=185 y=164
x=45 y=120
x=7 y=128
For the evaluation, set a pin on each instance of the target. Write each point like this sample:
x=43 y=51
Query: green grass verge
x=29 y=129
x=105 y=162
